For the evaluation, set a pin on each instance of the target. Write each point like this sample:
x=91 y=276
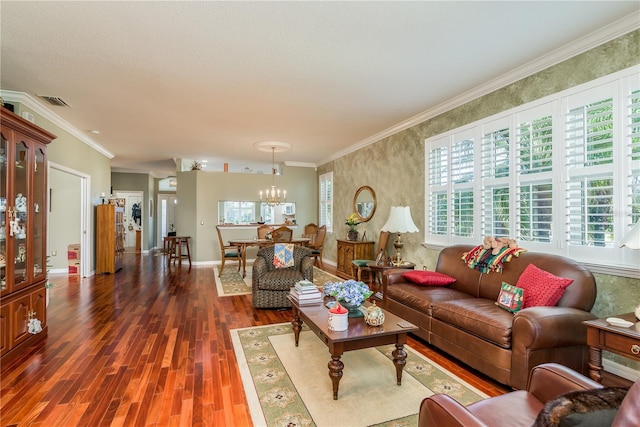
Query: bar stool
x=176 y=243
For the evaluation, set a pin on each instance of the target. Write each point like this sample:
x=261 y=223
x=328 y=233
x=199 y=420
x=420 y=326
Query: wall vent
x=55 y=100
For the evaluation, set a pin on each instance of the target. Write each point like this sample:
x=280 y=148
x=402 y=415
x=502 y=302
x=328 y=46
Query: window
x=326 y=201
x=561 y=175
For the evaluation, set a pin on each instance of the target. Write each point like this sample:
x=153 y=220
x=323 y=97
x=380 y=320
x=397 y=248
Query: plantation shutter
x=438 y=175
x=326 y=201
x=589 y=135
x=534 y=147
x=494 y=173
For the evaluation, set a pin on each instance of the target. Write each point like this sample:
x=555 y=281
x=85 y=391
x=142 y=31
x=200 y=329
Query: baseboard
x=620 y=370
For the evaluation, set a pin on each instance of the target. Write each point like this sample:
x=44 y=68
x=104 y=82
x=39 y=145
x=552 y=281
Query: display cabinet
x=110 y=238
x=23 y=208
x=348 y=250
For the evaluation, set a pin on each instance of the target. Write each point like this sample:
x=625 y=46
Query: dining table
x=243 y=244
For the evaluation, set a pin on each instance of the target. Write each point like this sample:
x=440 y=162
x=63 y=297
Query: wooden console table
x=348 y=250
x=619 y=340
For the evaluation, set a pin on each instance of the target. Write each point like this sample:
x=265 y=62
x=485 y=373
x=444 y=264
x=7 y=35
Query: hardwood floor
x=147 y=346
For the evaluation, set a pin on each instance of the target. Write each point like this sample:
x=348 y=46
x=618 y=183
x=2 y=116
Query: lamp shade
x=632 y=238
x=400 y=221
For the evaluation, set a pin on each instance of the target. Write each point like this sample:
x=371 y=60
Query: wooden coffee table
x=359 y=335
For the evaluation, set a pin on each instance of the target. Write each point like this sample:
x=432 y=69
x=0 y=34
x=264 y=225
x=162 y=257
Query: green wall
x=198 y=193
x=394 y=166
x=68 y=151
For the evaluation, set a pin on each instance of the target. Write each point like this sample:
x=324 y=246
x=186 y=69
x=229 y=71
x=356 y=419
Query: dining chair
x=228 y=252
x=361 y=264
x=310 y=232
x=282 y=234
x=316 y=246
x=263 y=230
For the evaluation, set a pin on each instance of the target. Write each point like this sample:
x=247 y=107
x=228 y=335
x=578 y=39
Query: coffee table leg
x=399 y=359
x=335 y=373
x=297 y=325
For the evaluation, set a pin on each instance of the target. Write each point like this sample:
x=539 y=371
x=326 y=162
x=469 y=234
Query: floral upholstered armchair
x=271 y=285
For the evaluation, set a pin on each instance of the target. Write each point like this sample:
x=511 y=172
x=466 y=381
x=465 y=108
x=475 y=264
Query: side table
x=619 y=340
x=377 y=270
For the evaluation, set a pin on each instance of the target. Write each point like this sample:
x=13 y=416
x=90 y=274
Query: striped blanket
x=485 y=261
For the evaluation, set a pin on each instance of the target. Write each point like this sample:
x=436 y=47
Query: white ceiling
x=206 y=80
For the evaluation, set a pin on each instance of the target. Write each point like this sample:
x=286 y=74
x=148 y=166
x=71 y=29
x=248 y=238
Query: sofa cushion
x=478 y=316
x=541 y=288
x=510 y=298
x=279 y=280
x=428 y=278
x=422 y=297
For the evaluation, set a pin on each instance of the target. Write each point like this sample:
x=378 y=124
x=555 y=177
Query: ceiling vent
x=55 y=100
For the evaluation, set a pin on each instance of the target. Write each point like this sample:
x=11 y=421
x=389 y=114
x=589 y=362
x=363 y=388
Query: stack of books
x=306 y=293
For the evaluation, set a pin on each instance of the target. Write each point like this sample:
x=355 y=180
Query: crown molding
x=30 y=102
x=301 y=164
x=603 y=35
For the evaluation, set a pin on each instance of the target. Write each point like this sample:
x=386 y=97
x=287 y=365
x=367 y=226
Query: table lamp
x=399 y=221
x=632 y=241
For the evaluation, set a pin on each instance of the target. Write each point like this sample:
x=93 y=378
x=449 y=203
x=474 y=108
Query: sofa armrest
x=442 y=410
x=549 y=327
x=550 y=380
x=390 y=277
x=258 y=269
x=306 y=267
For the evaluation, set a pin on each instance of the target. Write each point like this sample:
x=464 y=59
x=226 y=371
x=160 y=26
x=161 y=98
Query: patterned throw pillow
x=510 y=298
x=541 y=288
x=428 y=278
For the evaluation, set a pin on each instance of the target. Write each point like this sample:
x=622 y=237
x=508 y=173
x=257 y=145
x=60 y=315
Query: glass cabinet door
x=3 y=214
x=18 y=224
x=38 y=213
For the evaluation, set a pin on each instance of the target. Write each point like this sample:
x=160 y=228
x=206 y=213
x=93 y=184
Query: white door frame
x=140 y=194
x=85 y=218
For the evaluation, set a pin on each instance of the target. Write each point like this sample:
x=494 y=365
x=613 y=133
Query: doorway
x=69 y=218
x=133 y=227
x=166 y=214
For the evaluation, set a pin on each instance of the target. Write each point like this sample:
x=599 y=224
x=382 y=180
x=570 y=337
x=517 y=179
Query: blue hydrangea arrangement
x=350 y=291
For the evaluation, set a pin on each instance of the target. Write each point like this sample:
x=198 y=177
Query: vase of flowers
x=352 y=221
x=350 y=294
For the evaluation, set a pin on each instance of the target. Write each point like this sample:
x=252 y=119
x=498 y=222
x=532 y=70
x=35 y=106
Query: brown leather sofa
x=520 y=408
x=464 y=321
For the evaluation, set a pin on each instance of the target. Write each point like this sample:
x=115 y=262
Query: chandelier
x=273 y=196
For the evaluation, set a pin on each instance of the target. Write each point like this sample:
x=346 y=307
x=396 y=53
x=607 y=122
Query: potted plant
x=352 y=221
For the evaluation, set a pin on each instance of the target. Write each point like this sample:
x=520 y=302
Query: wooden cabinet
x=23 y=245
x=110 y=238
x=349 y=250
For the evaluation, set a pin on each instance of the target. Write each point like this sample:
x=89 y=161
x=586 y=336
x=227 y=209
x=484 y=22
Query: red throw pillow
x=428 y=278
x=541 y=288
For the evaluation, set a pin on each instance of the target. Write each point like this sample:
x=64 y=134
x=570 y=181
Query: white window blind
x=535 y=145
x=462 y=161
x=590 y=211
x=561 y=174
x=495 y=154
x=535 y=212
x=326 y=201
x=463 y=213
x=495 y=213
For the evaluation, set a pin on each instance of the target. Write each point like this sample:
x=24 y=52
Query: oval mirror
x=364 y=203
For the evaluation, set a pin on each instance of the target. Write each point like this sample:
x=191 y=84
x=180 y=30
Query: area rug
x=290 y=386
x=231 y=282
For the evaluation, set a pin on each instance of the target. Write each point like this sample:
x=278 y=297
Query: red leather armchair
x=518 y=408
